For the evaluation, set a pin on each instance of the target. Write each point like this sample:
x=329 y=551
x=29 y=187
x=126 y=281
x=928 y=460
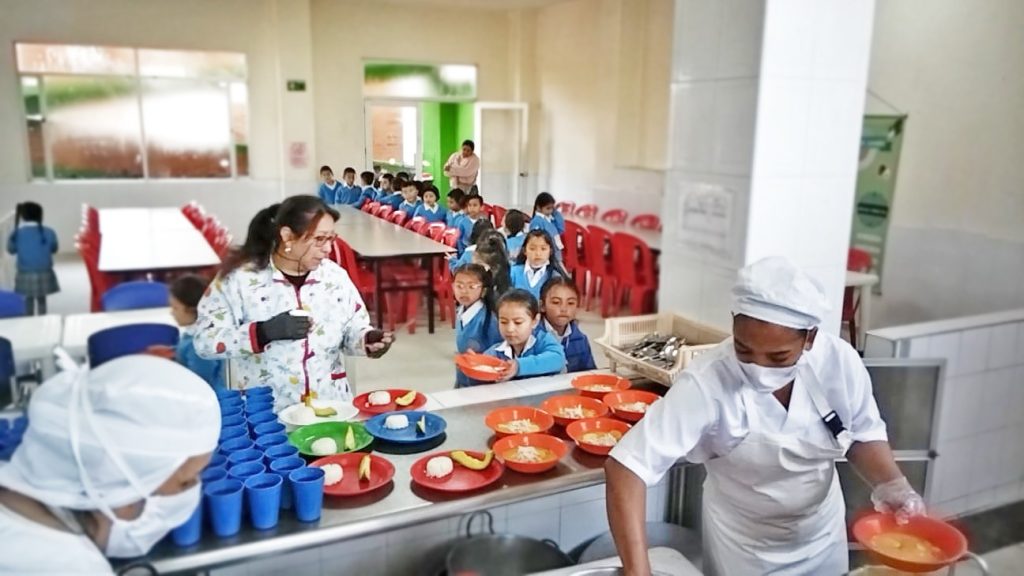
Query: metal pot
x=493 y=554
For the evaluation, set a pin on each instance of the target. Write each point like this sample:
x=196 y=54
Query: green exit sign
x=296 y=85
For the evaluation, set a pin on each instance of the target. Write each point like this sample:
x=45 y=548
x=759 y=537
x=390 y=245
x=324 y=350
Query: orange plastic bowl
x=479 y=366
x=609 y=382
x=616 y=399
x=545 y=441
x=939 y=533
x=577 y=429
x=496 y=418
x=555 y=404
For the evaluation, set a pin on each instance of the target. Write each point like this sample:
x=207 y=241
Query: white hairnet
x=775 y=290
x=151 y=414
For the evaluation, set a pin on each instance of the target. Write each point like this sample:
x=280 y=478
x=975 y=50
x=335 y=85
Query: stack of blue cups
x=11 y=433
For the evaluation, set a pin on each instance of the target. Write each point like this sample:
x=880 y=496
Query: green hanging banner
x=880 y=145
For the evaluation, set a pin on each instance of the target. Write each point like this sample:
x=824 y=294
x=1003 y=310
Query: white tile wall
x=981 y=426
x=695 y=41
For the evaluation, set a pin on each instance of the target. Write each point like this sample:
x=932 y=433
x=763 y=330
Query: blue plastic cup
x=268 y=428
x=229 y=447
x=218 y=461
x=243 y=456
x=229 y=411
x=271 y=440
x=263 y=494
x=245 y=470
x=224 y=503
x=260 y=418
x=226 y=394
x=5 y=425
x=259 y=392
x=279 y=452
x=233 y=400
x=229 y=421
x=307 y=493
x=259 y=406
x=20 y=424
x=189 y=533
x=284 y=467
x=232 y=432
x=211 y=475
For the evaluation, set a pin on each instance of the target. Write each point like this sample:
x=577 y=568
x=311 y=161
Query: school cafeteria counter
x=403 y=504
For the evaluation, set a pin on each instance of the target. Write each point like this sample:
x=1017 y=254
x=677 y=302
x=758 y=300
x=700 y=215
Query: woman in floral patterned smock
x=248 y=312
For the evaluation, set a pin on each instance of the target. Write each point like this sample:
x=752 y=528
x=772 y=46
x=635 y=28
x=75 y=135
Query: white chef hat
x=137 y=414
x=775 y=290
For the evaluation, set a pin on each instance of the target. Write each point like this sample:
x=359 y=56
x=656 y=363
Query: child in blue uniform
x=474 y=237
x=455 y=197
x=186 y=292
x=328 y=185
x=472 y=205
x=529 y=352
x=369 y=193
x=491 y=254
x=476 y=328
x=410 y=198
x=348 y=193
x=430 y=210
x=34 y=245
x=559 y=301
x=515 y=233
x=536 y=264
x=393 y=198
x=385 y=188
x=546 y=218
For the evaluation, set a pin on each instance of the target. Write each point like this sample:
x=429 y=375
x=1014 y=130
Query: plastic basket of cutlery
x=656 y=346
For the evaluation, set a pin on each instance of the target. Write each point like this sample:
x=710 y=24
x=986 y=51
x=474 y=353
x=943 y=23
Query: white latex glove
x=899 y=498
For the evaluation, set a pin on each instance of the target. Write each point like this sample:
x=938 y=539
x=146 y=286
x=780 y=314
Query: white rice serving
x=439 y=467
x=379 y=398
x=333 y=473
x=323 y=447
x=396 y=422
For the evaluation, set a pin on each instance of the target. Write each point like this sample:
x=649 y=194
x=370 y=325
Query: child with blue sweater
x=455 y=197
x=328 y=185
x=559 y=301
x=547 y=219
x=369 y=193
x=476 y=328
x=34 y=245
x=186 y=292
x=515 y=233
x=391 y=192
x=430 y=210
x=410 y=198
x=536 y=264
x=473 y=206
x=530 y=353
x=348 y=193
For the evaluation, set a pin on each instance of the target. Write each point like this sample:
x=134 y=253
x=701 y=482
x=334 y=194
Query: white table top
x=373 y=237
x=116 y=220
x=32 y=337
x=860 y=279
x=78 y=327
x=123 y=250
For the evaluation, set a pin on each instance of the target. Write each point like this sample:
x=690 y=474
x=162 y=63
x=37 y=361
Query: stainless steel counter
x=398 y=505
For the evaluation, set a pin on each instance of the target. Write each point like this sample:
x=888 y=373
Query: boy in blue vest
x=559 y=301
x=348 y=193
x=369 y=193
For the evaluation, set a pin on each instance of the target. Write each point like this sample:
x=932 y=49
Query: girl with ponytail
x=286 y=312
x=34 y=245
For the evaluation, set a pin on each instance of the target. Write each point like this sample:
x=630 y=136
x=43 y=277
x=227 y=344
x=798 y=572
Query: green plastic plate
x=304 y=436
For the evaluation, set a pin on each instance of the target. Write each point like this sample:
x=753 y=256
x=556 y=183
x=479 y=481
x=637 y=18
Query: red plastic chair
x=344 y=256
x=602 y=280
x=99 y=282
x=451 y=237
x=566 y=208
x=633 y=266
x=435 y=230
x=856 y=261
x=646 y=222
x=397 y=218
x=573 y=239
x=616 y=216
x=498 y=215
x=370 y=207
x=417 y=224
x=587 y=212
x=384 y=211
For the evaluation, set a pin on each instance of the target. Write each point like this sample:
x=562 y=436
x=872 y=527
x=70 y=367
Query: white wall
x=586 y=77
x=956 y=245
x=244 y=26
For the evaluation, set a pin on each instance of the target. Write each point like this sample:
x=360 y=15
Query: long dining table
x=378 y=241
x=151 y=239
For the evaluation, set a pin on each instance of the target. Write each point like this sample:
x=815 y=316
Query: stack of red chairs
x=632 y=274
x=87 y=241
x=599 y=264
x=573 y=254
x=616 y=216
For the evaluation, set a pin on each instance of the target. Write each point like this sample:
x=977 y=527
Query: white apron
x=773 y=505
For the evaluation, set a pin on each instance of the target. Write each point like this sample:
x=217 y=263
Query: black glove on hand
x=284 y=326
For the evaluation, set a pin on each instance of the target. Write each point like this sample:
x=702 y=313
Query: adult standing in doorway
x=463 y=167
x=284 y=311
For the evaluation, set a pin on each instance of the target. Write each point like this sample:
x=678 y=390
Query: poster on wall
x=705 y=218
x=880 y=145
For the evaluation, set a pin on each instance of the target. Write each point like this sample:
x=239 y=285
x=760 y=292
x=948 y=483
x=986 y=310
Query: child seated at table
x=34 y=246
x=559 y=301
x=467 y=255
x=536 y=264
x=546 y=218
x=411 y=200
x=328 y=185
x=529 y=352
x=455 y=197
x=186 y=291
x=348 y=193
x=515 y=233
x=369 y=193
x=472 y=205
x=476 y=328
x=391 y=191
x=430 y=210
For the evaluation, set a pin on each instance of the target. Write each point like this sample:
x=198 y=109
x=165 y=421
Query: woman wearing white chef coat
x=108 y=466
x=767 y=412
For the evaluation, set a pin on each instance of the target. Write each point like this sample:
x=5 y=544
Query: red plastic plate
x=461 y=479
x=360 y=402
x=381 y=472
